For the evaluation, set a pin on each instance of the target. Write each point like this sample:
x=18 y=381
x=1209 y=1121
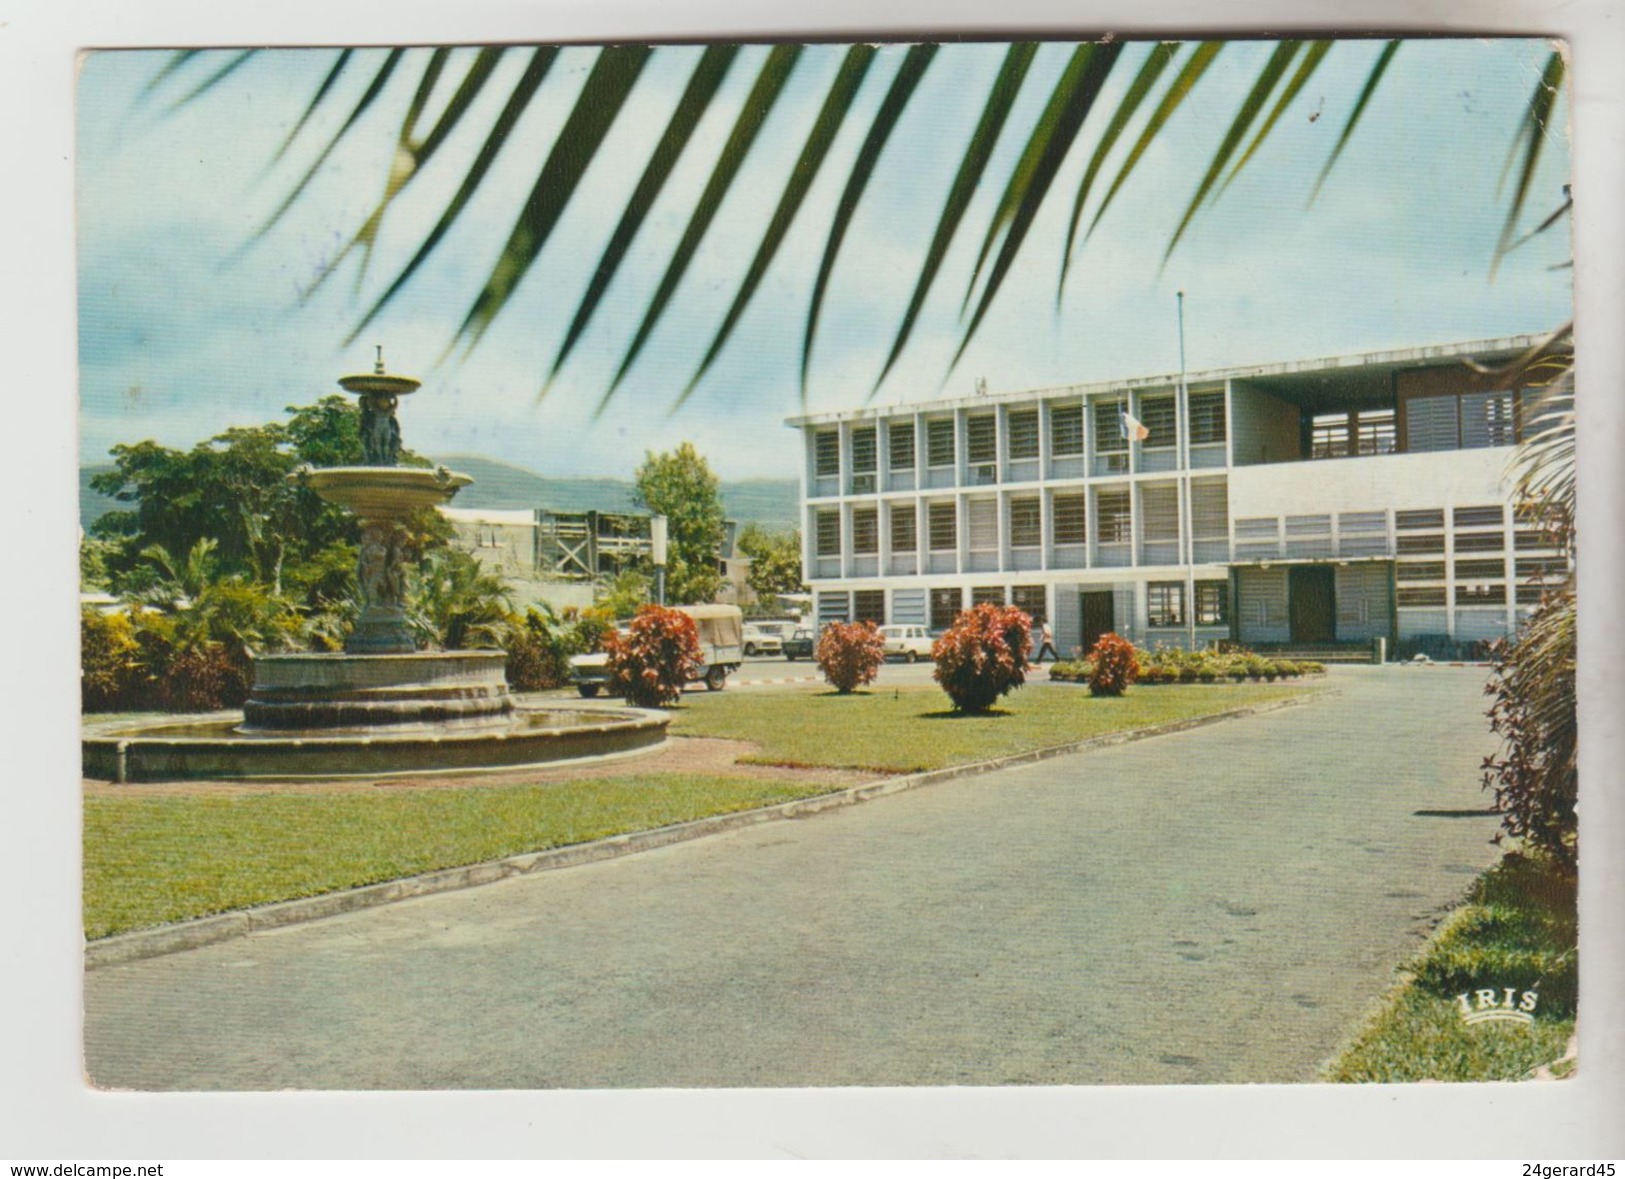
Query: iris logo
x=1487 y=1005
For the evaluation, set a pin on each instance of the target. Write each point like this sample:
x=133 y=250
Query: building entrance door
x=1097 y=617
x=1312 y=603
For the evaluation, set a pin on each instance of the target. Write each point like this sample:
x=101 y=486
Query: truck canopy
x=719 y=626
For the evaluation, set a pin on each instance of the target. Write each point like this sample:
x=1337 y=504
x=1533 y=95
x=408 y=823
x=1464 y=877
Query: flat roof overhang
x=1318 y=385
x=1266 y=562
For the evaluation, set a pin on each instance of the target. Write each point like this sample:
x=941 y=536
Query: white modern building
x=1312 y=504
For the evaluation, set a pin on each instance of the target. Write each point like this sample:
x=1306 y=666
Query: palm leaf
x=1541 y=104
x=1054 y=135
x=837 y=103
x=603 y=94
x=374 y=89
x=1263 y=87
x=172 y=65
x=1150 y=70
x=518 y=101
x=906 y=81
x=315 y=102
x=1366 y=91
x=1017 y=59
x=411 y=156
x=1195 y=66
x=769 y=85
x=214 y=79
x=1311 y=61
x=702 y=87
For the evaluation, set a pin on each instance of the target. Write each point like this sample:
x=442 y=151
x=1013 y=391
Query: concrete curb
x=188 y=935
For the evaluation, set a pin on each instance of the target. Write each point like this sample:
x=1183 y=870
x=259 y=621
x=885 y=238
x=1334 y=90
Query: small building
x=1321 y=503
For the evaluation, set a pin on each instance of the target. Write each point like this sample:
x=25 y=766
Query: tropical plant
x=775 y=561
x=1160 y=77
x=850 y=654
x=1114 y=666
x=658 y=654
x=983 y=655
x=109 y=661
x=624 y=596
x=539 y=646
x=680 y=486
x=454 y=602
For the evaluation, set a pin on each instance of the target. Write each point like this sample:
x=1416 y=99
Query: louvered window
x=1481 y=595
x=829 y=534
x=1207 y=416
x=1029 y=599
x=1431 y=423
x=1160 y=503
x=1165 y=603
x=863 y=450
x=1329 y=436
x=1420 y=571
x=1420 y=595
x=1374 y=431
x=1071 y=519
x=939 y=442
x=944 y=608
x=1212 y=603
x=1210 y=509
x=865 y=531
x=1114 y=520
x=989 y=595
x=1416 y=520
x=1486 y=420
x=982 y=524
x=1480 y=570
x=1420 y=544
x=904 y=529
x=1479 y=542
x=1109 y=428
x=1026 y=522
x=1486 y=517
x=1157 y=414
x=940 y=521
x=826 y=453
x=900 y=441
x=869 y=606
x=1066 y=430
x=1023 y=424
x=981 y=439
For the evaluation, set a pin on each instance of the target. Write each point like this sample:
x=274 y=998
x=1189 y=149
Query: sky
x=189 y=323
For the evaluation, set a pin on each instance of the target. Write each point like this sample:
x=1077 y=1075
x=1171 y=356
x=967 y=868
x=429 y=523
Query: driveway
x=1217 y=905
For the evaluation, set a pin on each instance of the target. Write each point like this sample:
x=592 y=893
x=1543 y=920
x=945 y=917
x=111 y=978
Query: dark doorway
x=1312 y=603
x=1097 y=617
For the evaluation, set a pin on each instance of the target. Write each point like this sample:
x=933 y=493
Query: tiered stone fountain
x=381 y=706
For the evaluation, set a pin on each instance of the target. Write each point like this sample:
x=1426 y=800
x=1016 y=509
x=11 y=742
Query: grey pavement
x=1220 y=905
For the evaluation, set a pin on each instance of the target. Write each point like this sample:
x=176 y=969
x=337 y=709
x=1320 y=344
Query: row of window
x=1157 y=414
x=1480 y=569
x=1114 y=519
x=1469 y=595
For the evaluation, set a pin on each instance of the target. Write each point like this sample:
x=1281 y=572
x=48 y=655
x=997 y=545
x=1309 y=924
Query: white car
x=912 y=643
x=762 y=639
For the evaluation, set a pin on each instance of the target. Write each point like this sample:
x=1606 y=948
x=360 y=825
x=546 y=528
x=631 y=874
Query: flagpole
x=1188 y=547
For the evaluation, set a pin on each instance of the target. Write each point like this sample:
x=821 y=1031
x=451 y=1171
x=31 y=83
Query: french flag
x=1132 y=427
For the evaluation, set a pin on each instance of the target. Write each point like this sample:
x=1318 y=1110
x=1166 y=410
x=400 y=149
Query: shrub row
x=1165 y=666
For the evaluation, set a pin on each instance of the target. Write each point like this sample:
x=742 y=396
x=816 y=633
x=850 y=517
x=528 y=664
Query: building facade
x=1311 y=504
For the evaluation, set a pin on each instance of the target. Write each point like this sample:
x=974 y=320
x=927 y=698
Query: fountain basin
x=333 y=691
x=382 y=493
x=221 y=748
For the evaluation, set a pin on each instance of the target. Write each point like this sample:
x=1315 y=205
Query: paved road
x=1213 y=906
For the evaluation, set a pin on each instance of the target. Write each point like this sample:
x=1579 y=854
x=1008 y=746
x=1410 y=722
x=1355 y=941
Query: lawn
x=902 y=730
x=149 y=861
x=1517 y=930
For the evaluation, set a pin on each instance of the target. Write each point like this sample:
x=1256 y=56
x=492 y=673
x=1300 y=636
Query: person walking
x=1047 y=638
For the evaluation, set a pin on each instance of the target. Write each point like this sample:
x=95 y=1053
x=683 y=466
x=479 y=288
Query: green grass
x=1517 y=929
x=150 y=861
x=909 y=729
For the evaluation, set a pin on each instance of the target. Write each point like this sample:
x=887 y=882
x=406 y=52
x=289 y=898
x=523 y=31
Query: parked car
x=762 y=638
x=720 y=630
x=911 y=643
x=800 y=644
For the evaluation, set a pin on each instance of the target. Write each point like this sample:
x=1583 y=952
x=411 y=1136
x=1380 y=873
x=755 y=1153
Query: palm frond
x=541 y=61
x=1312 y=58
x=1538 y=116
x=1001 y=97
x=769 y=85
x=904 y=83
x=334 y=72
x=1372 y=80
x=837 y=103
x=702 y=87
x=236 y=62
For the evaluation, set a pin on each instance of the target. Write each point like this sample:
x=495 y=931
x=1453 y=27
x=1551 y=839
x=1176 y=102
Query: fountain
x=381 y=706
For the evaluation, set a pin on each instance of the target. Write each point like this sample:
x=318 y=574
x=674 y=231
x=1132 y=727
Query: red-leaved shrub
x=660 y=653
x=983 y=655
x=850 y=653
x=1116 y=666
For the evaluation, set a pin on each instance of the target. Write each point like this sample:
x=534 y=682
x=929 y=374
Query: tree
x=1057 y=126
x=679 y=485
x=775 y=561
